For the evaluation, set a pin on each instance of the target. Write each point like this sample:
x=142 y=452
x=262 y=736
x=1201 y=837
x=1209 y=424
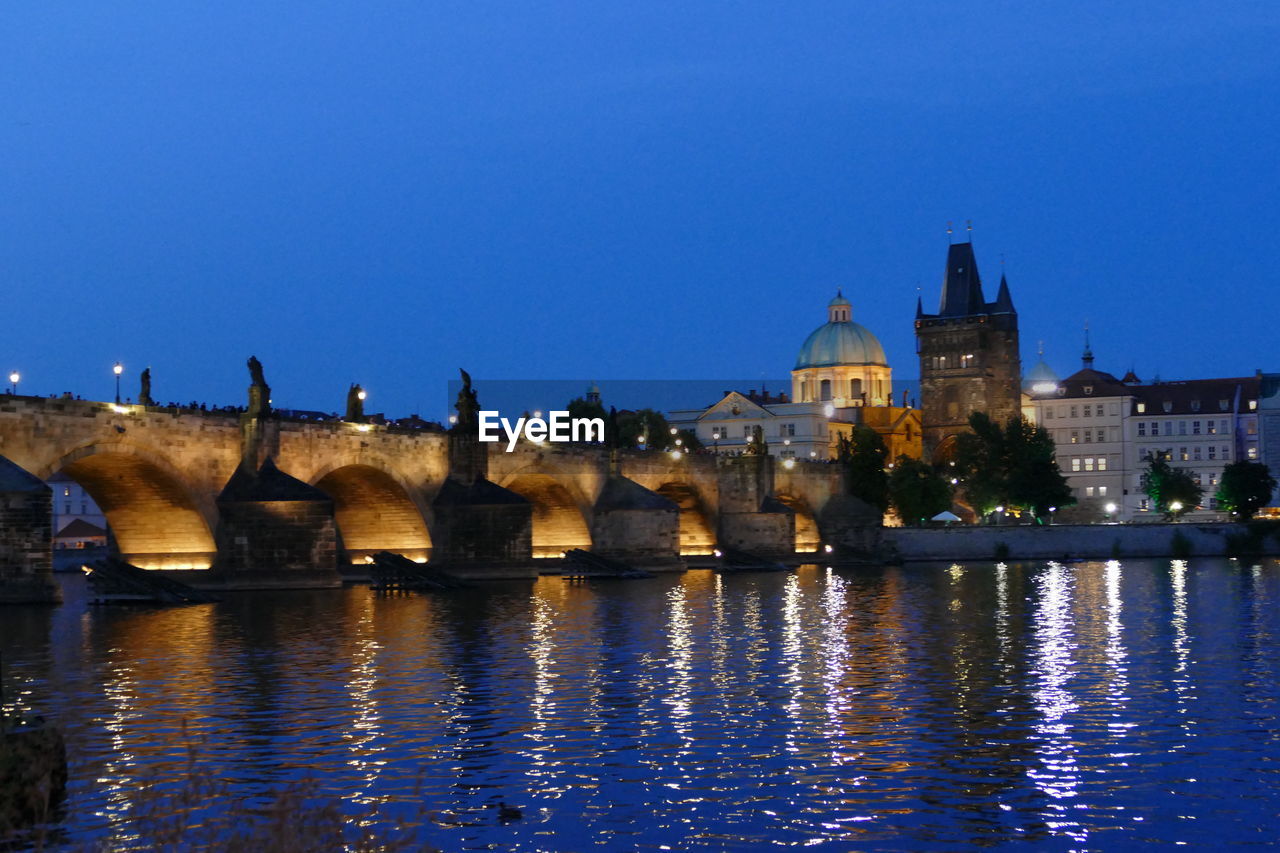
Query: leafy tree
x=579 y=407
x=917 y=490
x=863 y=458
x=1246 y=487
x=648 y=424
x=1167 y=486
x=1013 y=466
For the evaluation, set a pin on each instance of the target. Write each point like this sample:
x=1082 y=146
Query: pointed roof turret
x=1087 y=358
x=961 y=286
x=919 y=307
x=1004 y=302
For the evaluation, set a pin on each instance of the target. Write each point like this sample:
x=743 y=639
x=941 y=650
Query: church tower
x=969 y=359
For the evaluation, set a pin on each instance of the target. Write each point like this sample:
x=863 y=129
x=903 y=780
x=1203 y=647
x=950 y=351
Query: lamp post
x=1110 y=510
x=14 y=377
x=117 y=370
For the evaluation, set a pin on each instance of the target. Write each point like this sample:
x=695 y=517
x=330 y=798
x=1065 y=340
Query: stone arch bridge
x=162 y=476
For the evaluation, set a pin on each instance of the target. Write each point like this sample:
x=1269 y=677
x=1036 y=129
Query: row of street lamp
x=15 y=377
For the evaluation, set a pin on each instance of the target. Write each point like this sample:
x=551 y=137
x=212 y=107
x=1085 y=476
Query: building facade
x=969 y=356
x=1104 y=430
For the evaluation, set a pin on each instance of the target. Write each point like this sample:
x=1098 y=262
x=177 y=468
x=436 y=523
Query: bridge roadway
x=157 y=473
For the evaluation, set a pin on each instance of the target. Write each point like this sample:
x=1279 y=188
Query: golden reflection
x=836 y=663
x=362 y=740
x=680 y=661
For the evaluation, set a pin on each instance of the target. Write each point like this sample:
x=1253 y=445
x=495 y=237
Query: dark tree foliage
x=1011 y=466
x=647 y=424
x=917 y=491
x=1166 y=486
x=862 y=457
x=1246 y=487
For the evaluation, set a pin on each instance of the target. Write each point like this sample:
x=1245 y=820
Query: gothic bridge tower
x=969 y=359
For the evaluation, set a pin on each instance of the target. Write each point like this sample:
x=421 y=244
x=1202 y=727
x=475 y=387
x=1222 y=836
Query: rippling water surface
x=1088 y=706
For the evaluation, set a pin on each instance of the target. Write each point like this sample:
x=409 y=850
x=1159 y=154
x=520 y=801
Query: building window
x=788 y=430
x=1142 y=407
x=68 y=512
x=1088 y=491
x=1155 y=427
x=1088 y=463
x=1223 y=405
x=1195 y=453
x=1222 y=428
x=1088 y=390
x=1048 y=413
x=1251 y=428
x=1088 y=436
x=1182 y=454
x=787 y=454
x=1195 y=427
x=1213 y=503
x=1102 y=463
x=1213 y=452
x=1195 y=405
x=1211 y=427
x=1088 y=411
x=1075 y=463
x=1182 y=427
x=1075 y=436
x=1253 y=453
x=1144 y=504
x=1142 y=428
x=1253 y=405
x=1074 y=412
x=824 y=390
x=1168 y=406
x=1213 y=478
x=1102 y=435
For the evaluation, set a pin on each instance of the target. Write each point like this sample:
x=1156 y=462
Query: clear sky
x=384 y=191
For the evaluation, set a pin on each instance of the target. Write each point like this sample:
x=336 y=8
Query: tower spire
x=1087 y=358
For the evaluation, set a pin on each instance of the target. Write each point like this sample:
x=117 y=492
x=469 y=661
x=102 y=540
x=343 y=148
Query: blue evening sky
x=384 y=191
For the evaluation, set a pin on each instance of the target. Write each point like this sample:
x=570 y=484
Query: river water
x=1092 y=706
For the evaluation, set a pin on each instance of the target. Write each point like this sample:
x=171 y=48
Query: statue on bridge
x=259 y=390
x=468 y=404
x=144 y=394
x=355 y=404
x=757 y=445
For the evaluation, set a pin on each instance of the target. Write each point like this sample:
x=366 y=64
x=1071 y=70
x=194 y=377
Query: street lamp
x=362 y=394
x=1110 y=510
x=117 y=370
x=1176 y=507
x=14 y=377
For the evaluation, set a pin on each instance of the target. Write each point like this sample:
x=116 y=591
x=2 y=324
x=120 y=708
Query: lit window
x=1253 y=405
x=1102 y=463
x=1075 y=463
x=1144 y=504
x=1182 y=454
x=1142 y=407
x=1211 y=427
x=1213 y=478
x=1075 y=436
x=1088 y=491
x=1088 y=463
x=66 y=492
x=1253 y=453
x=1102 y=491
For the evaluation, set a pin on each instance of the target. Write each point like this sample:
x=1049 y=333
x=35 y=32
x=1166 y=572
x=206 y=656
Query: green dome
x=1040 y=379
x=840 y=341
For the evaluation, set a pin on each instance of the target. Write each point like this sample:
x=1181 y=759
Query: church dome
x=840 y=341
x=1040 y=379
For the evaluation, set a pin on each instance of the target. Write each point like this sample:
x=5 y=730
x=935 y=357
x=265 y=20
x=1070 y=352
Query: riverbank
x=1075 y=541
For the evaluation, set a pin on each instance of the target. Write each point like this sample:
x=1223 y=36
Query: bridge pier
x=637 y=526
x=274 y=532
x=26 y=539
x=751 y=518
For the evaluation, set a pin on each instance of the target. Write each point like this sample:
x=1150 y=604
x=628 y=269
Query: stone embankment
x=1077 y=541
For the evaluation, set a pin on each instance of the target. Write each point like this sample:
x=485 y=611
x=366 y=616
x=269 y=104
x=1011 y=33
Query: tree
x=1172 y=490
x=863 y=456
x=917 y=490
x=582 y=408
x=1246 y=487
x=1012 y=466
x=647 y=424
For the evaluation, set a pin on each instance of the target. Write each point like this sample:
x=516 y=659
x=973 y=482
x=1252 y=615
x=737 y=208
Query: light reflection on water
x=1085 y=706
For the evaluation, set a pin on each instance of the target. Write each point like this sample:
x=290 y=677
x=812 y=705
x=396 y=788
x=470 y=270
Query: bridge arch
x=374 y=512
x=559 y=513
x=807 y=536
x=697 y=532
x=150 y=509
